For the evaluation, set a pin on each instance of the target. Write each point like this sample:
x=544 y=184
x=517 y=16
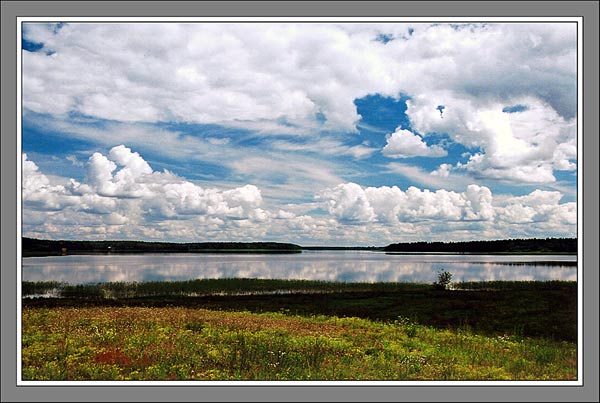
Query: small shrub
x=444 y=280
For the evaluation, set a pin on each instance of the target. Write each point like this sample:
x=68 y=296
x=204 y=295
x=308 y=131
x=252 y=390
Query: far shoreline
x=550 y=246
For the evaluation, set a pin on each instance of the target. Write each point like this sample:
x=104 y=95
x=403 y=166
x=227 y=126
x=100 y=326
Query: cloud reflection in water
x=324 y=266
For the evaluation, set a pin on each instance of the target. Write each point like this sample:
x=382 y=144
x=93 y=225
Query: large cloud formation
x=218 y=73
x=123 y=197
x=525 y=143
x=350 y=202
x=503 y=94
x=122 y=188
x=301 y=79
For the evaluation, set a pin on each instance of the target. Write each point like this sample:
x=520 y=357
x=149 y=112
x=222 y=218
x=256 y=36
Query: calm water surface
x=345 y=266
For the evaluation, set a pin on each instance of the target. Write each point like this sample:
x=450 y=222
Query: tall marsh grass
x=203 y=287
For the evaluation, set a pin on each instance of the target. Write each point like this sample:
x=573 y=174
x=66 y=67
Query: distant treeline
x=547 y=245
x=41 y=247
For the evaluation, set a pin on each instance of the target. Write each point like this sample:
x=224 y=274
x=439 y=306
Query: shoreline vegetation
x=533 y=308
x=246 y=329
x=39 y=247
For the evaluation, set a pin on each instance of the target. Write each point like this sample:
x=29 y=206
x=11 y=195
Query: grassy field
x=236 y=329
x=177 y=343
x=536 y=309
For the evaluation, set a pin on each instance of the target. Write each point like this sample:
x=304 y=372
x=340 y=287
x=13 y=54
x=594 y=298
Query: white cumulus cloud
x=539 y=207
x=222 y=73
x=110 y=205
x=302 y=80
x=349 y=202
x=121 y=189
x=525 y=146
x=405 y=144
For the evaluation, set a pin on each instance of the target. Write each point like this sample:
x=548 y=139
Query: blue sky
x=330 y=134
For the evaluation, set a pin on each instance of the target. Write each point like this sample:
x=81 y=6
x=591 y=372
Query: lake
x=342 y=266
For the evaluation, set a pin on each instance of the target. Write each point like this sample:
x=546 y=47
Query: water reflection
x=343 y=266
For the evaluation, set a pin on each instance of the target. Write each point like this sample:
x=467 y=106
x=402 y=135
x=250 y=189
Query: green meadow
x=261 y=330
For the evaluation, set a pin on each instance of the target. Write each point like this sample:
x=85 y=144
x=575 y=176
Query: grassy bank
x=180 y=343
x=536 y=309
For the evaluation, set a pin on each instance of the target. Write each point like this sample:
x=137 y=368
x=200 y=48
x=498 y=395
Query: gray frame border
x=587 y=9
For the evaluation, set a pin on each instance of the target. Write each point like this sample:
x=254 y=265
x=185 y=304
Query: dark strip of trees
x=535 y=245
x=41 y=247
x=32 y=246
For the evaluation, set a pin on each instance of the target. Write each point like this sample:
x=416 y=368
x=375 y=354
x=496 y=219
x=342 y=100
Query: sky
x=349 y=134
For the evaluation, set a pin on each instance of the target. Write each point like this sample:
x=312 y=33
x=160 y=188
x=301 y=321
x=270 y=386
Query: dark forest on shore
x=547 y=245
x=40 y=247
